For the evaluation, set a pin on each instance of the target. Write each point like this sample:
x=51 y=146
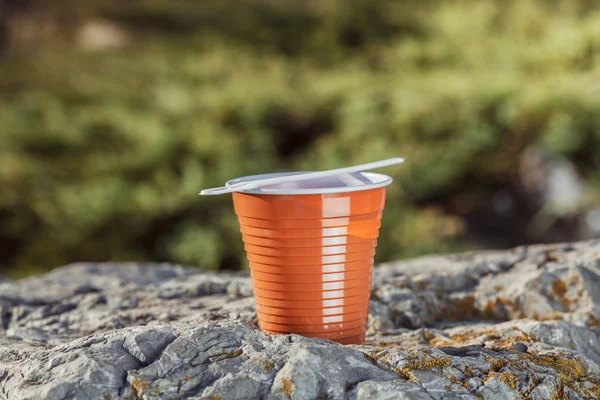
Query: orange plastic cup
x=283 y=276
x=345 y=304
x=314 y=270
x=310 y=246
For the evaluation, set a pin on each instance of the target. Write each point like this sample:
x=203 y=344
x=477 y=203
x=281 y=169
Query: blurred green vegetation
x=103 y=153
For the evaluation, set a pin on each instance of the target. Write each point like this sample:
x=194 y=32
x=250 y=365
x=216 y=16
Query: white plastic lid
x=348 y=182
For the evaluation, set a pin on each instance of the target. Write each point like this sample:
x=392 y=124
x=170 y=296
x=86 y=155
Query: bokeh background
x=114 y=114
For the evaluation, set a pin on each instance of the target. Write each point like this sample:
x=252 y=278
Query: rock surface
x=497 y=325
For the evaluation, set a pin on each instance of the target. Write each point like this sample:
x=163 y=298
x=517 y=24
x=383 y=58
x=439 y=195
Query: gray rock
x=590 y=224
x=551 y=180
x=511 y=324
x=540 y=282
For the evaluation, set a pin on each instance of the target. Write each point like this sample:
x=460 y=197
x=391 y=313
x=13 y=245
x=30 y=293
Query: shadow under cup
x=311 y=257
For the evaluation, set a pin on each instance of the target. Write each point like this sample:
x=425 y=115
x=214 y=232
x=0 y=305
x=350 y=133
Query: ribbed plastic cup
x=310 y=247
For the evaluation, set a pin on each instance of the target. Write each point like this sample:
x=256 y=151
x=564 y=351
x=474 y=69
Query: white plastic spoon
x=239 y=187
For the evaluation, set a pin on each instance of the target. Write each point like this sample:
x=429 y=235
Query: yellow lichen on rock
x=286 y=386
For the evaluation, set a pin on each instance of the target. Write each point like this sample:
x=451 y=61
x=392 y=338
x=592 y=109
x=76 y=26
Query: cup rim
x=378 y=181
